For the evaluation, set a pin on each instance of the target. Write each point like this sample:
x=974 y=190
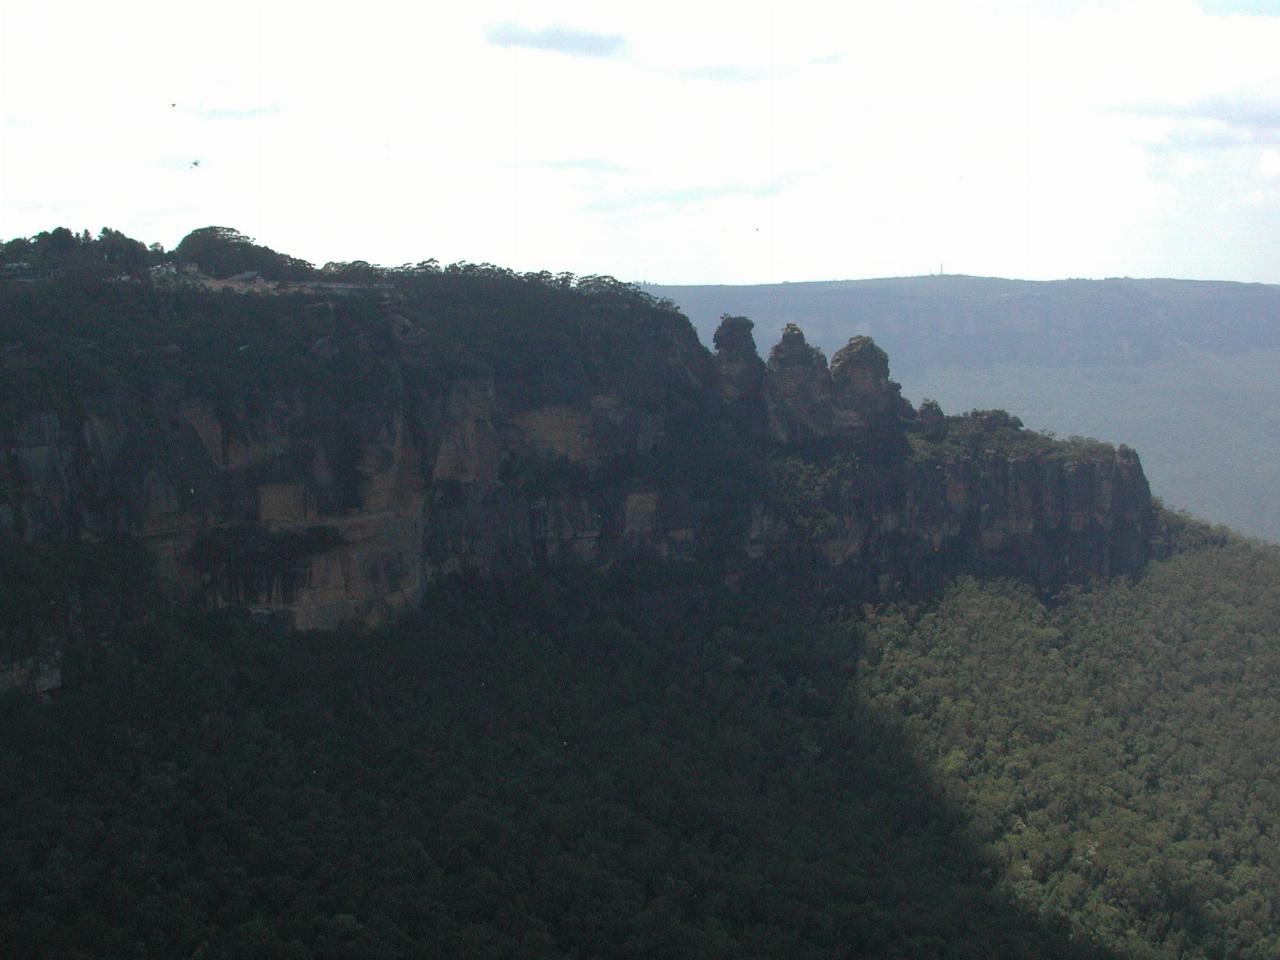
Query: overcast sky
x=691 y=142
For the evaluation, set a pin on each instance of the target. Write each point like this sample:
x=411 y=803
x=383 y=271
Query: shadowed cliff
x=325 y=450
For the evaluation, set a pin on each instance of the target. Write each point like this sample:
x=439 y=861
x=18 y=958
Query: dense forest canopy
x=224 y=252
x=643 y=764
x=1114 y=751
x=83 y=315
x=60 y=252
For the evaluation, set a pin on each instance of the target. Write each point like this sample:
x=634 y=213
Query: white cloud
x=556 y=38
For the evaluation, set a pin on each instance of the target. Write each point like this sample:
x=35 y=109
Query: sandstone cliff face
x=798 y=390
x=328 y=511
x=864 y=399
x=738 y=365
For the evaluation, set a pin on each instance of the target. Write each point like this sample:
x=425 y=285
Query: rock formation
x=798 y=390
x=328 y=507
x=862 y=394
x=740 y=368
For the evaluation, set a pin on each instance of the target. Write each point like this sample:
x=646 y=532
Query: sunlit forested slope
x=1116 y=753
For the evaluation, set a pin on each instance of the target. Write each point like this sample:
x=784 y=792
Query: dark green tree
x=224 y=252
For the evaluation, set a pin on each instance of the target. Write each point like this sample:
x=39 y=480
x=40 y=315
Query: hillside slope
x=1116 y=751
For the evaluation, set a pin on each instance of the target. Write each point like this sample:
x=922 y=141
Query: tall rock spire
x=797 y=389
x=864 y=398
x=741 y=371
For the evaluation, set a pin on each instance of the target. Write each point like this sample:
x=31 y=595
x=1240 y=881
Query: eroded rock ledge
x=328 y=509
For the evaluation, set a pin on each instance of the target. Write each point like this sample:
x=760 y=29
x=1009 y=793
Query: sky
x=691 y=142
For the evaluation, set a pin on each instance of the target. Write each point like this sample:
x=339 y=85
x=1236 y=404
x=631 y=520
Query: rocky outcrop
x=864 y=399
x=327 y=510
x=853 y=398
x=740 y=369
x=797 y=390
x=1046 y=520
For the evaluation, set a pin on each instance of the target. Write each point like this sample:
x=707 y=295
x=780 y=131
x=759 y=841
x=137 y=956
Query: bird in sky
x=195 y=163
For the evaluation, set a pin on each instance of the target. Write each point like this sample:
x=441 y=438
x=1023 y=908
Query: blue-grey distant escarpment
x=323 y=443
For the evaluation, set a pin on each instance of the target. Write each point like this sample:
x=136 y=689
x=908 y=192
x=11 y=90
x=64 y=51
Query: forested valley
x=642 y=763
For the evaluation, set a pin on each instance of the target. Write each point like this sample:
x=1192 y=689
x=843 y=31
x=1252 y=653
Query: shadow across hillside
x=569 y=765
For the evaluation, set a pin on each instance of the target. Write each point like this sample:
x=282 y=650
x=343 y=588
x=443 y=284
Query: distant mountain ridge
x=1183 y=370
x=958 y=320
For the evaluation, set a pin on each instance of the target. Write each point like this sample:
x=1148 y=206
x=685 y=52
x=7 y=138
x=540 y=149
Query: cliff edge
x=324 y=453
